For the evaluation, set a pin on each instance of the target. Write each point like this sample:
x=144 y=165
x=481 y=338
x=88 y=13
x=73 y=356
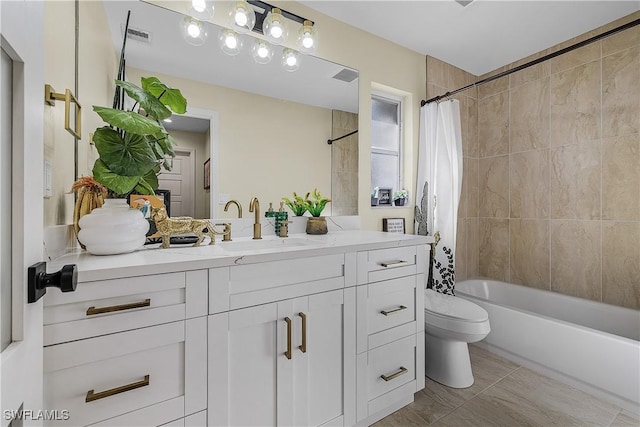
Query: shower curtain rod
x=535 y=61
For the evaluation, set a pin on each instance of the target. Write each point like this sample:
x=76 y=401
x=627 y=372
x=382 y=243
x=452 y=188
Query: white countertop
x=242 y=250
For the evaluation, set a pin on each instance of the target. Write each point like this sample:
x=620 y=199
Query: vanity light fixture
x=290 y=59
x=230 y=41
x=262 y=51
x=274 y=28
x=201 y=9
x=307 y=37
x=194 y=31
x=242 y=17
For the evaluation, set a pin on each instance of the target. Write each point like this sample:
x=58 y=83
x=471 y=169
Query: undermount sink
x=239 y=246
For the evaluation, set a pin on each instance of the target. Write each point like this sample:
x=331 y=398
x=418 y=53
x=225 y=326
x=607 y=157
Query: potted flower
x=315 y=205
x=400 y=197
x=297 y=205
x=132 y=150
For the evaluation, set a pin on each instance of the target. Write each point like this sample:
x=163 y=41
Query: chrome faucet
x=234 y=202
x=254 y=206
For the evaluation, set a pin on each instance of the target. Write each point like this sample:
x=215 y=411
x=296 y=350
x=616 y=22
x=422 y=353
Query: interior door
x=180 y=180
x=21 y=209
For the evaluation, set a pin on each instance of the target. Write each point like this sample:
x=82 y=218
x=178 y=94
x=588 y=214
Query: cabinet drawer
x=395 y=362
x=103 y=377
x=383 y=264
x=391 y=303
x=112 y=306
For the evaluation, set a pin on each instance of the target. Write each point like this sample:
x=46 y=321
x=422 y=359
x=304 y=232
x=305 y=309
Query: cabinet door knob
x=38 y=280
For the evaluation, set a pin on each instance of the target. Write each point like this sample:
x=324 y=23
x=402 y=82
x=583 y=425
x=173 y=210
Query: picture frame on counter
x=394 y=225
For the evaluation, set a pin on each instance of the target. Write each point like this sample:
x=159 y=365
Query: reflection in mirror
x=265 y=129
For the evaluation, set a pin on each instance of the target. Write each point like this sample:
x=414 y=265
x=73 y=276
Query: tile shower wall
x=442 y=77
x=344 y=164
x=551 y=186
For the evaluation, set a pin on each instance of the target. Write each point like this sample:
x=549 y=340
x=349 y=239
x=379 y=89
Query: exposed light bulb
x=262 y=51
x=241 y=18
x=307 y=38
x=274 y=27
x=193 y=30
x=199 y=5
x=276 y=30
x=230 y=42
x=290 y=60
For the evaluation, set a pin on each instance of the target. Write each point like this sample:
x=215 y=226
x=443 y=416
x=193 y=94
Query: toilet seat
x=455 y=315
x=454 y=308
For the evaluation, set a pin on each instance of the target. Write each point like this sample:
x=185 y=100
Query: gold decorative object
x=317 y=225
x=91 y=195
x=168 y=227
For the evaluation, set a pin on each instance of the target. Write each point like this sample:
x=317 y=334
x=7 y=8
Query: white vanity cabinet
x=390 y=329
x=127 y=351
x=287 y=362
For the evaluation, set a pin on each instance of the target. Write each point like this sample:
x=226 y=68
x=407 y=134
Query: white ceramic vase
x=115 y=228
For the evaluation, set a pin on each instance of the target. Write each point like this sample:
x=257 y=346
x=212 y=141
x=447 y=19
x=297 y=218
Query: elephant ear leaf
x=146 y=99
x=128 y=121
x=170 y=97
x=117 y=183
x=131 y=156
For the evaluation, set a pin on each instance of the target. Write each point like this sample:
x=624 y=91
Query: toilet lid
x=453 y=307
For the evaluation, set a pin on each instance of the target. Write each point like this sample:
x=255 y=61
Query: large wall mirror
x=260 y=130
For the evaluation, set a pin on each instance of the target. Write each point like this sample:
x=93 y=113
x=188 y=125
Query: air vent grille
x=346 y=75
x=464 y=3
x=139 y=35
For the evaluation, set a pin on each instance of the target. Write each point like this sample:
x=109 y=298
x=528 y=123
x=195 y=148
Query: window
x=386 y=142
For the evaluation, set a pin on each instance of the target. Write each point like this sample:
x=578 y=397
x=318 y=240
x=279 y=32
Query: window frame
x=399 y=101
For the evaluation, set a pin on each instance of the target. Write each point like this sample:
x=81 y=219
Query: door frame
x=191 y=153
x=21 y=368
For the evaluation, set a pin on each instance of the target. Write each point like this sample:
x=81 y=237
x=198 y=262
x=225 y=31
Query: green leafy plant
x=135 y=146
x=297 y=205
x=316 y=203
x=402 y=194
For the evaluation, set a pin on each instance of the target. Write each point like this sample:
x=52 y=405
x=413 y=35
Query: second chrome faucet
x=254 y=206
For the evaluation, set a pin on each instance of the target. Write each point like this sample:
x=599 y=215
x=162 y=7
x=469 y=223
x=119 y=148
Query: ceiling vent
x=464 y=3
x=139 y=35
x=346 y=75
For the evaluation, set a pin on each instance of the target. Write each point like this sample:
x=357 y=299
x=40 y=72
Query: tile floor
x=506 y=394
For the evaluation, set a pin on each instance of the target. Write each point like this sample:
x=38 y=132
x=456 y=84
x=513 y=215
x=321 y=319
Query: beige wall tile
x=576 y=172
x=473 y=249
x=470 y=179
x=621 y=263
x=575 y=104
x=529 y=184
x=534 y=72
x=529 y=240
x=620 y=82
x=623 y=40
x=495 y=86
x=621 y=178
x=437 y=71
x=494 y=248
x=529 y=113
x=583 y=55
x=435 y=90
x=461 y=250
x=469 y=125
x=494 y=187
x=493 y=125
x=576 y=258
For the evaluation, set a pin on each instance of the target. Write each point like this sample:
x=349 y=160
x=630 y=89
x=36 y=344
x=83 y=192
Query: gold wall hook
x=50 y=98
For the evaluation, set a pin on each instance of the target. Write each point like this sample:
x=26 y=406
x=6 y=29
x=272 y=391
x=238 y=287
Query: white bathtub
x=591 y=345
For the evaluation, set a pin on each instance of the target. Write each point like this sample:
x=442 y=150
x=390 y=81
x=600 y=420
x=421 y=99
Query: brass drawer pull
x=92 y=310
x=395 y=310
x=91 y=396
x=303 y=347
x=394 y=263
x=289 y=332
x=395 y=375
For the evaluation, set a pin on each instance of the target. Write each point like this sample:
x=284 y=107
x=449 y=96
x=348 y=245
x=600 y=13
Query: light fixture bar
x=266 y=8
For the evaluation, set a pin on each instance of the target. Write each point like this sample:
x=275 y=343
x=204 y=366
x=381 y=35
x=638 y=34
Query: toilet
x=450 y=324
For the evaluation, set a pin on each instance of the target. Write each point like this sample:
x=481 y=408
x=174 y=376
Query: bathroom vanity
x=320 y=330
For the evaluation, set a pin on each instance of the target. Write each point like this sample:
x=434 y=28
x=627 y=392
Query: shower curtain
x=440 y=180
